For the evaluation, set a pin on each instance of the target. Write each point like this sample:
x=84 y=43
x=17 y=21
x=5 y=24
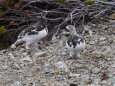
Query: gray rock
x=40 y=54
x=74 y=75
x=113 y=65
x=113 y=84
x=61 y=65
x=102 y=38
x=96 y=81
x=51 y=67
x=95 y=70
x=17 y=83
x=94 y=85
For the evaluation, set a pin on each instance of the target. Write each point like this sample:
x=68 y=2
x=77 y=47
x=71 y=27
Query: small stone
x=46 y=64
x=103 y=43
x=5 y=67
x=56 y=84
x=32 y=74
x=12 y=46
x=96 y=81
x=1 y=76
x=30 y=82
x=11 y=56
x=102 y=38
x=96 y=70
x=106 y=53
x=113 y=16
x=64 y=53
x=95 y=54
x=25 y=53
x=17 y=83
x=1 y=84
x=27 y=58
x=114 y=41
x=113 y=65
x=16 y=66
x=94 y=85
x=40 y=85
x=104 y=82
x=31 y=65
x=65 y=84
x=56 y=71
x=22 y=49
x=113 y=84
x=40 y=54
x=74 y=75
x=88 y=46
x=88 y=81
x=61 y=65
x=106 y=27
x=48 y=83
x=92 y=42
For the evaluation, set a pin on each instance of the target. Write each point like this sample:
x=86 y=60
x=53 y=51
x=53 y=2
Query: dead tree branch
x=57 y=14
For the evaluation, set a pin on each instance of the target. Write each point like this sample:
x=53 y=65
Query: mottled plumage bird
x=75 y=43
x=31 y=36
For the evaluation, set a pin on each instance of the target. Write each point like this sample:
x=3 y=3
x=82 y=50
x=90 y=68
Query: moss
x=2 y=30
x=2 y=13
x=61 y=1
x=89 y=2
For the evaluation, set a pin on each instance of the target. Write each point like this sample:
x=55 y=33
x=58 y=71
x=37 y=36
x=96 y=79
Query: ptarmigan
x=31 y=35
x=75 y=43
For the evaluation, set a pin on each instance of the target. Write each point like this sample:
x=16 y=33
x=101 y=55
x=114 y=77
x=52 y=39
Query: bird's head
x=71 y=29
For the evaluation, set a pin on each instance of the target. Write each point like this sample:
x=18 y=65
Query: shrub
x=2 y=30
x=61 y=1
x=89 y=2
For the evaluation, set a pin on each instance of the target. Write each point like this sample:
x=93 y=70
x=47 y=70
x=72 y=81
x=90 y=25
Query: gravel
x=52 y=66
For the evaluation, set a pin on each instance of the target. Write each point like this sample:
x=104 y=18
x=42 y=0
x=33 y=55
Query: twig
x=107 y=3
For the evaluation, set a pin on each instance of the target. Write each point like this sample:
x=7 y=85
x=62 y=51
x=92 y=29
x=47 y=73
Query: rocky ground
x=51 y=66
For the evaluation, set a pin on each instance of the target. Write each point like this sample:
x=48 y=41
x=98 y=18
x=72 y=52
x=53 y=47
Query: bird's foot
x=72 y=57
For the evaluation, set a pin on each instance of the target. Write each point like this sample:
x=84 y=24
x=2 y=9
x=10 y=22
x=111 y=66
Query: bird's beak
x=66 y=27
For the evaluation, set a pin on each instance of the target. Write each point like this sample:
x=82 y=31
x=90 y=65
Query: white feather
x=75 y=50
x=31 y=39
x=79 y=47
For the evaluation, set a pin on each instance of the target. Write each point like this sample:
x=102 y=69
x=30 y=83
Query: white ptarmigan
x=75 y=43
x=31 y=35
